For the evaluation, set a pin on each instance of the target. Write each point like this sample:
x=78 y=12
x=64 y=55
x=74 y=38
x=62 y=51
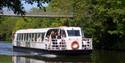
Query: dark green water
x=98 y=56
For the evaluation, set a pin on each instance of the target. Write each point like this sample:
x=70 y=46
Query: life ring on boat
x=75 y=45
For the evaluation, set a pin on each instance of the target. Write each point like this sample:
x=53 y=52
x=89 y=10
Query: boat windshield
x=73 y=32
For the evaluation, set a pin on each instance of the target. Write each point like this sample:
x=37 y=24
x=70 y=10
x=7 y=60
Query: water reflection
x=103 y=56
x=5 y=49
x=7 y=55
x=5 y=59
x=39 y=59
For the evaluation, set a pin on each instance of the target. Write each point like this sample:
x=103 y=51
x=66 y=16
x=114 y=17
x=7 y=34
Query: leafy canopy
x=17 y=7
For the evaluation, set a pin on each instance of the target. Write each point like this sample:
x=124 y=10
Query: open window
x=63 y=34
x=52 y=33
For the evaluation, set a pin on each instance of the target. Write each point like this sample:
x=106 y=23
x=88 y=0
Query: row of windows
x=30 y=37
x=38 y=37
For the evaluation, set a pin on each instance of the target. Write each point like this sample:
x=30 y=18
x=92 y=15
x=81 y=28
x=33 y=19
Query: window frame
x=71 y=33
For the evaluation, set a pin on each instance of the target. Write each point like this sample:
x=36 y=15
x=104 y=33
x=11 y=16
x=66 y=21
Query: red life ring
x=75 y=45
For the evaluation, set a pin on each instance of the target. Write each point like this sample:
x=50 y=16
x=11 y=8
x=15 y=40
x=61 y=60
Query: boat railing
x=87 y=43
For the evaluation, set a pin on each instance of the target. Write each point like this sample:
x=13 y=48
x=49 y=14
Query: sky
x=27 y=7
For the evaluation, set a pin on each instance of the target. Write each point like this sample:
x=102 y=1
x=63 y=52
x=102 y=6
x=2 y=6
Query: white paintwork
x=47 y=45
x=33 y=30
x=46 y=29
x=70 y=40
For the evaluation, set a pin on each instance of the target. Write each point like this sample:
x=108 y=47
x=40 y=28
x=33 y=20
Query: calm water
x=7 y=55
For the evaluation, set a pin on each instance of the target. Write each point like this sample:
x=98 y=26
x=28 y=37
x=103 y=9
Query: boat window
x=42 y=36
x=33 y=37
x=26 y=36
x=21 y=37
x=29 y=37
x=52 y=32
x=37 y=37
x=63 y=34
x=73 y=32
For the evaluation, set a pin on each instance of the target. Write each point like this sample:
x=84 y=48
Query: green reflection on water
x=5 y=59
x=63 y=59
x=103 y=56
x=98 y=56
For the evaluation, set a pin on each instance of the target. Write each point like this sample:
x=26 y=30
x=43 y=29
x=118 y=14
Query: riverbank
x=5 y=41
x=5 y=59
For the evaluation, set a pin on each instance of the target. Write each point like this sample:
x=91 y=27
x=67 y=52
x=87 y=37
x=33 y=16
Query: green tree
x=61 y=6
x=103 y=20
x=17 y=6
x=6 y=28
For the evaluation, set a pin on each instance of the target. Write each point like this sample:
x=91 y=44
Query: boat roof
x=42 y=30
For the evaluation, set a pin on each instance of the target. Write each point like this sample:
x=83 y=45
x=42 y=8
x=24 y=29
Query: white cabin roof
x=41 y=30
x=70 y=28
x=32 y=30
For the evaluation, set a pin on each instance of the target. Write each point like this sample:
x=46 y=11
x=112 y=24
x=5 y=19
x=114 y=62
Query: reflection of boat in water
x=39 y=59
x=59 y=40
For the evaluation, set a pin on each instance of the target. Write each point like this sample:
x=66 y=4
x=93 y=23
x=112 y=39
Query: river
x=7 y=55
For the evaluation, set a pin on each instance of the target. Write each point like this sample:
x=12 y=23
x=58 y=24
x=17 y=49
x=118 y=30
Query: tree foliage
x=17 y=5
x=6 y=27
x=103 y=20
x=108 y=21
